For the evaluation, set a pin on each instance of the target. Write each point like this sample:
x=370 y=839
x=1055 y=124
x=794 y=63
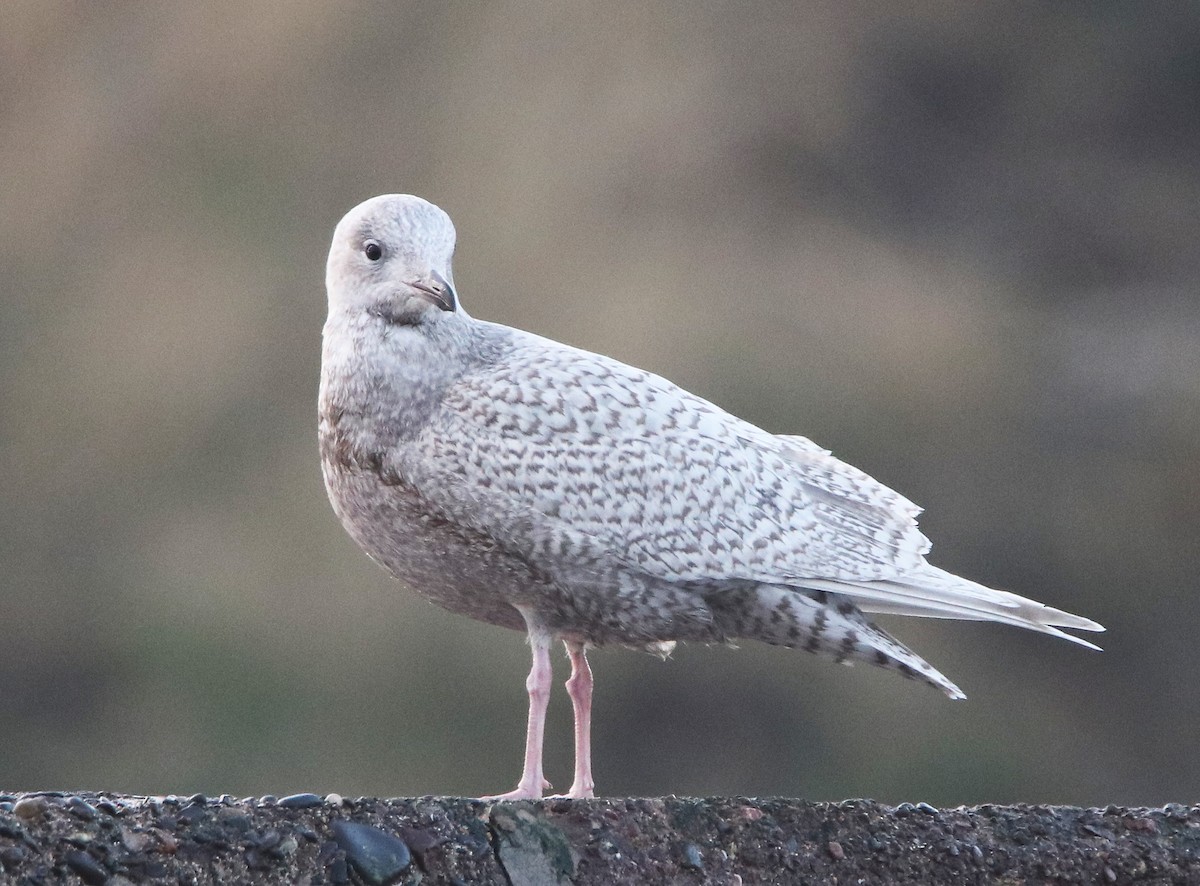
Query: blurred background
x=957 y=244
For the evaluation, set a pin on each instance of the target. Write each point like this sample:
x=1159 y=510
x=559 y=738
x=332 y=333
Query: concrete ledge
x=115 y=839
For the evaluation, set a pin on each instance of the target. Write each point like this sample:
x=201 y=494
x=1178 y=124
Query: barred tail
x=822 y=623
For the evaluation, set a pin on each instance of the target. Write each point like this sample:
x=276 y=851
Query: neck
x=389 y=379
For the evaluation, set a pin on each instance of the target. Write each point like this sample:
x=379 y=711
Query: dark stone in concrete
x=88 y=869
x=379 y=857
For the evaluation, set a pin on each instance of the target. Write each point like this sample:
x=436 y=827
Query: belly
x=470 y=574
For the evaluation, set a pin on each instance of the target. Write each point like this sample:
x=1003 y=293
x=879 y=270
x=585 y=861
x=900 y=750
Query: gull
x=539 y=487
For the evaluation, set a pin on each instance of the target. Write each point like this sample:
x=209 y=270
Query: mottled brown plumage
x=543 y=488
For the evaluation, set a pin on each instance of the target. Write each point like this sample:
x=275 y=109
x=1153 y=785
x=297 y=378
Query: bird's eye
x=372 y=250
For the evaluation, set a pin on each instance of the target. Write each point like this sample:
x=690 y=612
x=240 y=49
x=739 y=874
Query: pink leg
x=532 y=782
x=579 y=687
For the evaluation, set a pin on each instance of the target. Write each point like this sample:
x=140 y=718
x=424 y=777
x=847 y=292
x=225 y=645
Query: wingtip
x=1078 y=641
x=1061 y=619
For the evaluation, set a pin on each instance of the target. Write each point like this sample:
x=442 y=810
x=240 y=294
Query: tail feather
x=936 y=593
x=822 y=624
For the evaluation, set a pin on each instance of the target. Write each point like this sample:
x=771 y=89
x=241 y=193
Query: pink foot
x=588 y=794
x=520 y=792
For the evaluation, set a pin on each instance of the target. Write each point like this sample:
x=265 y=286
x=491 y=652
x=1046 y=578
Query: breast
x=455 y=568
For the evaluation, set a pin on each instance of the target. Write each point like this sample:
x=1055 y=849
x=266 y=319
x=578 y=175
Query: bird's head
x=390 y=259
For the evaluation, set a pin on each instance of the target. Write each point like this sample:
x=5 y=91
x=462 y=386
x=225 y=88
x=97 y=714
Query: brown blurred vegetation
x=956 y=243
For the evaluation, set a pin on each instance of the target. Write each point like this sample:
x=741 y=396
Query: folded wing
x=557 y=450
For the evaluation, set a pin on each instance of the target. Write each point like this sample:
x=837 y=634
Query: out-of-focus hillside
x=957 y=245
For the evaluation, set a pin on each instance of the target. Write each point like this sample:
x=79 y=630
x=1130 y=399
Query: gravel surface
x=57 y=837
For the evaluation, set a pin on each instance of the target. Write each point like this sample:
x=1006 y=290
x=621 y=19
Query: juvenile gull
x=547 y=489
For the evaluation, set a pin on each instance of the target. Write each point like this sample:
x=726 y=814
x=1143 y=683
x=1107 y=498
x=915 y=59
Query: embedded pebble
x=12 y=856
x=30 y=807
x=168 y=841
x=750 y=813
x=88 y=869
x=377 y=855
x=235 y=819
x=135 y=841
x=301 y=801
x=81 y=808
x=836 y=852
x=692 y=858
x=419 y=841
x=193 y=814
